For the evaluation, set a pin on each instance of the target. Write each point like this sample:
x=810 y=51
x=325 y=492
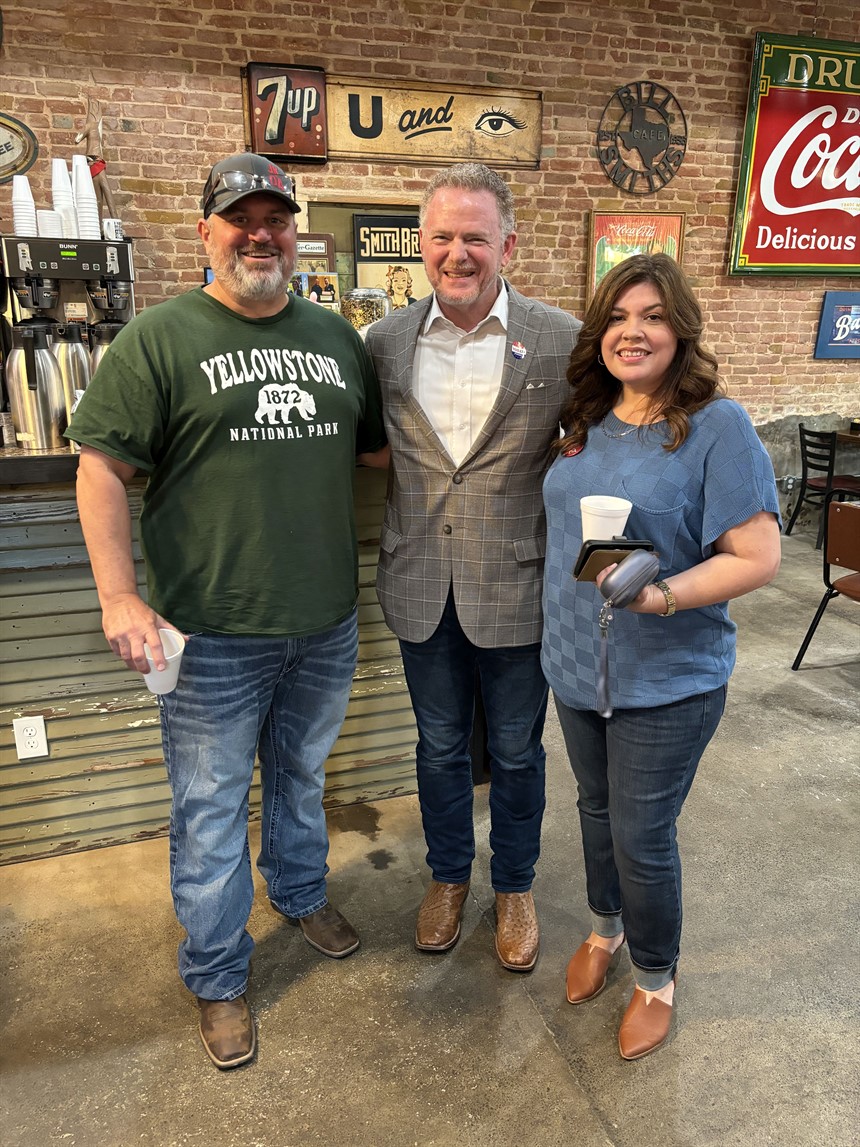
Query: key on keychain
x=603 y=702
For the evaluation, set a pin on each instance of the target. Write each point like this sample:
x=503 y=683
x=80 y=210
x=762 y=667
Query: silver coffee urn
x=36 y=397
x=74 y=362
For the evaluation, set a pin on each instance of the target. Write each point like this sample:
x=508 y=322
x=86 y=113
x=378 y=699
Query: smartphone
x=596 y=556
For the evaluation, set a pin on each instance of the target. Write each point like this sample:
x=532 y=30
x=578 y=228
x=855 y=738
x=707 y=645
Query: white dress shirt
x=456 y=374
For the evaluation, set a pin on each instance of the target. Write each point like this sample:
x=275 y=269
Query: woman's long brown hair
x=691 y=381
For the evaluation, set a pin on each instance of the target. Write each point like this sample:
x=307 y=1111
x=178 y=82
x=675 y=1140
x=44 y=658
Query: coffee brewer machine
x=46 y=283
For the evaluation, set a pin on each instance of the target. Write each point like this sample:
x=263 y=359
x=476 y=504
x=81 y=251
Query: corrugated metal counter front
x=103 y=781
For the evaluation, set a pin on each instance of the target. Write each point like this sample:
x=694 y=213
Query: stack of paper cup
x=64 y=201
x=23 y=207
x=86 y=204
x=49 y=224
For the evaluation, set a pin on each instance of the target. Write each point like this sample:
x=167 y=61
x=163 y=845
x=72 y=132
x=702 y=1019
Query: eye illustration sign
x=798 y=204
x=433 y=123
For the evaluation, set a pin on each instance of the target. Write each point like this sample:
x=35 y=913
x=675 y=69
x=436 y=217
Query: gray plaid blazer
x=479 y=526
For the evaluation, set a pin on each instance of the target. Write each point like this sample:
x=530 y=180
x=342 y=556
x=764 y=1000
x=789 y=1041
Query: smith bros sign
x=798 y=207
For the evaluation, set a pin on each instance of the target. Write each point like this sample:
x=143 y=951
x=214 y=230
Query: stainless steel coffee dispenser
x=73 y=360
x=40 y=408
x=49 y=282
x=103 y=335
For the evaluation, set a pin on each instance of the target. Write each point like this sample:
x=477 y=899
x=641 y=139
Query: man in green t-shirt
x=246 y=408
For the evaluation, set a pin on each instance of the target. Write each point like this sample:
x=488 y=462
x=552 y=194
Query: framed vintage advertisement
x=410 y=121
x=387 y=255
x=285 y=112
x=614 y=236
x=839 y=326
x=798 y=202
x=315 y=252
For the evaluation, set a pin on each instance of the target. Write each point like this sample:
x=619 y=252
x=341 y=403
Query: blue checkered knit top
x=682 y=501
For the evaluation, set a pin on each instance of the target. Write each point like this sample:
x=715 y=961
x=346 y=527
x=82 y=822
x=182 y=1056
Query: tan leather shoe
x=586 y=972
x=228 y=1032
x=644 y=1027
x=517 y=932
x=438 y=925
x=328 y=931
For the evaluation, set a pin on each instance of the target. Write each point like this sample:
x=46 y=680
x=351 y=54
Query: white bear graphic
x=277 y=401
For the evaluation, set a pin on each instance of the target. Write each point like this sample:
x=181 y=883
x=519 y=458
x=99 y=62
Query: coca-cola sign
x=798 y=207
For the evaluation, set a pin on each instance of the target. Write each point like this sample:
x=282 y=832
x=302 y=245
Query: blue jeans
x=286 y=699
x=440 y=673
x=634 y=771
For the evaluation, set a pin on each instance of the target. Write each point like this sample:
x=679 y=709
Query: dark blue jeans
x=634 y=771
x=440 y=673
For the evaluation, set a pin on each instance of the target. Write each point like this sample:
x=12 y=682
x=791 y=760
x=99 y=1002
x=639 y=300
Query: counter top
x=19 y=467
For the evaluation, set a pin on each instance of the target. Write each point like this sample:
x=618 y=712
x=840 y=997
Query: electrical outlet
x=31 y=740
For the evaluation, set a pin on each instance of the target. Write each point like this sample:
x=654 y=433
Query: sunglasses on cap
x=234 y=184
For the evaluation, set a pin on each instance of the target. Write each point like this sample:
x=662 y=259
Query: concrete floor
x=392 y=1048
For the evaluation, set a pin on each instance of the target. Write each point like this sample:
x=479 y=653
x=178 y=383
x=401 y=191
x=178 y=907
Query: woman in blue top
x=646 y=422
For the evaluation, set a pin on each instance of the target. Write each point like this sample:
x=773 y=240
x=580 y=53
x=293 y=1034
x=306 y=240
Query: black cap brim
x=224 y=200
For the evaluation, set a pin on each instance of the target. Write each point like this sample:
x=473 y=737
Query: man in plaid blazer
x=473 y=383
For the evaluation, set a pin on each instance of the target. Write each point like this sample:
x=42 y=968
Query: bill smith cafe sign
x=798 y=206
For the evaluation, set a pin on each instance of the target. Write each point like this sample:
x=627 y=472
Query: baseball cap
x=244 y=174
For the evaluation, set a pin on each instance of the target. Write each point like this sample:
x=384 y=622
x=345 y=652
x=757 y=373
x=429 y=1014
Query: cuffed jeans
x=286 y=699
x=440 y=673
x=634 y=770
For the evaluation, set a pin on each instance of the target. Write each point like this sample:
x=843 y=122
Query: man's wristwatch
x=671 y=604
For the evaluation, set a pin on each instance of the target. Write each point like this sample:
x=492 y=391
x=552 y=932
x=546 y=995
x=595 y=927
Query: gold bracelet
x=671 y=604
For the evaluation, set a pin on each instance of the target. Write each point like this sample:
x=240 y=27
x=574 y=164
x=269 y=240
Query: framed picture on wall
x=839 y=326
x=315 y=252
x=285 y=112
x=616 y=235
x=388 y=256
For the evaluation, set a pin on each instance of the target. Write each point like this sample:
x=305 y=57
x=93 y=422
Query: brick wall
x=170 y=91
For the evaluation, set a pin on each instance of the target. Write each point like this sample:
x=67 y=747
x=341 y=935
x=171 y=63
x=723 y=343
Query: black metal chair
x=817 y=461
x=841 y=548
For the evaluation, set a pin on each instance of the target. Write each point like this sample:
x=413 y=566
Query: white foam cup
x=60 y=182
x=70 y=222
x=21 y=190
x=24 y=219
x=164 y=680
x=603 y=517
x=82 y=183
x=88 y=222
x=49 y=224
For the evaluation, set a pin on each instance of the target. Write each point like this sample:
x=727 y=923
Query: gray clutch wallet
x=630 y=577
x=619 y=588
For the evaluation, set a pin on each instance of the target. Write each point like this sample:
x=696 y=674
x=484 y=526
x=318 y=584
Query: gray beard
x=247 y=285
